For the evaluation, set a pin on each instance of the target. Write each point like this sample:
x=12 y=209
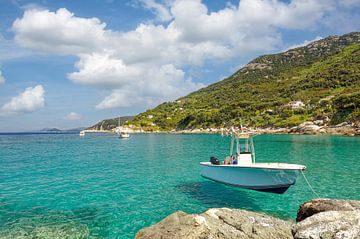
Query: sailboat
x=122 y=134
x=242 y=170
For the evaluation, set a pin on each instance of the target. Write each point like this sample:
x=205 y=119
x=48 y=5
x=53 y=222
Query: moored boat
x=124 y=135
x=121 y=132
x=241 y=170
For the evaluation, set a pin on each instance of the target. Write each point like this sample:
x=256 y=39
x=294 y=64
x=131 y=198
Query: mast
x=237 y=145
x=252 y=149
x=231 y=145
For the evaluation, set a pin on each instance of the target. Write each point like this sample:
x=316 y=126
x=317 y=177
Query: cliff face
x=318 y=219
x=317 y=81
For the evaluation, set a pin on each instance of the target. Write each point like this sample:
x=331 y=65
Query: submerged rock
x=42 y=224
x=218 y=223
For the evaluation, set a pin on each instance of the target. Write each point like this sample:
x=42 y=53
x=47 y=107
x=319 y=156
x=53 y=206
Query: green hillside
x=109 y=124
x=324 y=75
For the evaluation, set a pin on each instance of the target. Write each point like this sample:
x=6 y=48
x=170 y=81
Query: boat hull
x=275 y=180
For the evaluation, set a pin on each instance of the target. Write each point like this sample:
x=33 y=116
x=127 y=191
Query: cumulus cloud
x=30 y=100
x=147 y=64
x=2 y=79
x=58 y=32
x=72 y=116
x=152 y=87
x=161 y=10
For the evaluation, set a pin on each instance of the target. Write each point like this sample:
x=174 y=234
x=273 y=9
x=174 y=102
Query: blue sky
x=72 y=63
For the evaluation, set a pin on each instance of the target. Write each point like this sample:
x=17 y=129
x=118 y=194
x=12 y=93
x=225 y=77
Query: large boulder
x=306 y=128
x=328 y=219
x=329 y=225
x=315 y=206
x=218 y=223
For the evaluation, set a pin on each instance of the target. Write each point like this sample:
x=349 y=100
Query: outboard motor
x=214 y=160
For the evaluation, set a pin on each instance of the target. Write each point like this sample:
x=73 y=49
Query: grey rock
x=319 y=122
x=306 y=128
x=329 y=225
x=218 y=223
x=343 y=130
x=342 y=124
x=315 y=206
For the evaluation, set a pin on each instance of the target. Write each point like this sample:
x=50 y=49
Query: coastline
x=306 y=128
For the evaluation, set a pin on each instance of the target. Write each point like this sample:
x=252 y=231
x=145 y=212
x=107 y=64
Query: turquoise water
x=57 y=186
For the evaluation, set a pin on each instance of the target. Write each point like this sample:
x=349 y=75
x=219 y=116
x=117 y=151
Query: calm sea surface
x=61 y=185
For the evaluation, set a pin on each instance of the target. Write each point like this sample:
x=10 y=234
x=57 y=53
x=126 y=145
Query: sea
x=100 y=186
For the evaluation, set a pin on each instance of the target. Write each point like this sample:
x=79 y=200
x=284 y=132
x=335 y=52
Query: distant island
x=310 y=89
x=56 y=130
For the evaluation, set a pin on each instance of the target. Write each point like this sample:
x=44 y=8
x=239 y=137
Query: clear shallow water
x=56 y=186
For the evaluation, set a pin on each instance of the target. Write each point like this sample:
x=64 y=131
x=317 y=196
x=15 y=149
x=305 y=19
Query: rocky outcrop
x=317 y=219
x=328 y=219
x=218 y=223
x=306 y=128
x=329 y=225
x=315 y=206
x=318 y=127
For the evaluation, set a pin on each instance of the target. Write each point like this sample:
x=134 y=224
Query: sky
x=71 y=63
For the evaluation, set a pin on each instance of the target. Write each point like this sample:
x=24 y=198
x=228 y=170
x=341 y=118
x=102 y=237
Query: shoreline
x=306 y=128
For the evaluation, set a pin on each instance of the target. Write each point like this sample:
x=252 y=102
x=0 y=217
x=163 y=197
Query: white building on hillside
x=295 y=105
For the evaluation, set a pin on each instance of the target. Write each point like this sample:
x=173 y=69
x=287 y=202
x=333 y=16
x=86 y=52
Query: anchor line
x=308 y=183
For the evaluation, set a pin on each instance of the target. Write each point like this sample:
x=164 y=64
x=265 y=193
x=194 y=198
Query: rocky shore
x=317 y=127
x=316 y=219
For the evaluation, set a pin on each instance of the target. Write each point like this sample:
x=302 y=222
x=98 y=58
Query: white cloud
x=304 y=43
x=58 y=32
x=161 y=11
x=72 y=116
x=147 y=63
x=102 y=70
x=2 y=79
x=153 y=87
x=32 y=99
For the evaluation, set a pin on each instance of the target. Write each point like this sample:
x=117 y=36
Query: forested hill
x=109 y=124
x=317 y=81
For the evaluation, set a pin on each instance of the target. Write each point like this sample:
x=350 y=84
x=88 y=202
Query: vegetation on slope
x=109 y=124
x=324 y=75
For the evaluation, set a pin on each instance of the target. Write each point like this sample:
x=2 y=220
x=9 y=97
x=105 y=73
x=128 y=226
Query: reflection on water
x=217 y=195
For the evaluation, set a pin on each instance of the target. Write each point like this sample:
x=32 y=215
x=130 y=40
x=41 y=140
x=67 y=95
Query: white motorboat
x=82 y=133
x=241 y=169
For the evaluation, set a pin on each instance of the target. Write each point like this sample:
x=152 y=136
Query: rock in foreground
x=317 y=219
x=315 y=206
x=218 y=223
x=329 y=225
